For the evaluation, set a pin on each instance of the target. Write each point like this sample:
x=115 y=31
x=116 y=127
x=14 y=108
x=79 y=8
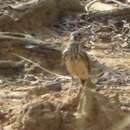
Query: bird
x=76 y=59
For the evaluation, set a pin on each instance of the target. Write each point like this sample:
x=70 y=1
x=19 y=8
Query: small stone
x=2 y=115
x=30 y=77
x=1 y=81
x=54 y=86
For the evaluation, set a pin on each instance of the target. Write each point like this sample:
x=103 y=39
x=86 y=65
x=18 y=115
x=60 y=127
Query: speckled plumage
x=77 y=62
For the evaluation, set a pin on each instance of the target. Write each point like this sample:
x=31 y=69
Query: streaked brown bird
x=76 y=59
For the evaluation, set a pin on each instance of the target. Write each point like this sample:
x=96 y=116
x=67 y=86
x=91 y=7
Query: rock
x=69 y=6
x=37 y=91
x=34 y=14
x=12 y=95
x=2 y=116
x=52 y=114
x=99 y=6
x=54 y=86
x=40 y=115
x=9 y=67
x=41 y=90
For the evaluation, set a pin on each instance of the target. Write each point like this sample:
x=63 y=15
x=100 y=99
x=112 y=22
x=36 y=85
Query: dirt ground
x=34 y=86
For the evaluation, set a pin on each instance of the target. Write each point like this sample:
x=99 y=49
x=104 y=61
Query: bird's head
x=75 y=36
x=75 y=48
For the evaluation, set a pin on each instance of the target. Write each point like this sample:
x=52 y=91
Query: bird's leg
x=83 y=82
x=86 y=84
x=81 y=87
x=80 y=96
x=81 y=100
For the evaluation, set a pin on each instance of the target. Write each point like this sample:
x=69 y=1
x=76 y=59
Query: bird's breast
x=77 y=67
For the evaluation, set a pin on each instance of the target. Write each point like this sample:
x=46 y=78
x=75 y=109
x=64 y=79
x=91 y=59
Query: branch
x=39 y=66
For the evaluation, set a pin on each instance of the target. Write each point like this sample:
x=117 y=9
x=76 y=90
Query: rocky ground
x=107 y=45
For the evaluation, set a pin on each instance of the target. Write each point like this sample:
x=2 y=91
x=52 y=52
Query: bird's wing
x=86 y=59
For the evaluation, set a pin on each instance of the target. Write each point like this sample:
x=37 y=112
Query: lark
x=76 y=60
